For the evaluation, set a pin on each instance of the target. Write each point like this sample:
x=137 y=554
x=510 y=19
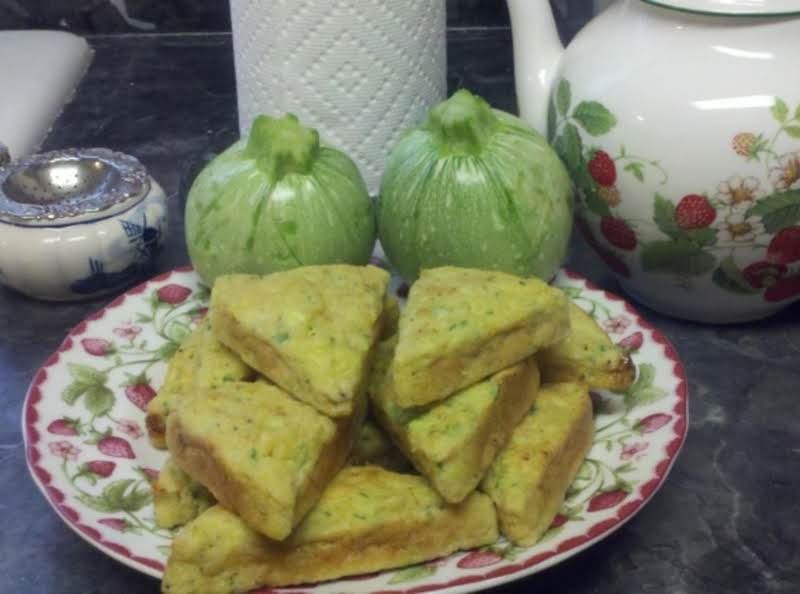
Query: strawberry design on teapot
x=679 y=121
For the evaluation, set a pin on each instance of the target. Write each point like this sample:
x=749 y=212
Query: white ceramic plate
x=83 y=422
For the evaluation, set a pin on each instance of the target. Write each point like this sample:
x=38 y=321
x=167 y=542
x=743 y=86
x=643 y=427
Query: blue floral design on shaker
x=144 y=239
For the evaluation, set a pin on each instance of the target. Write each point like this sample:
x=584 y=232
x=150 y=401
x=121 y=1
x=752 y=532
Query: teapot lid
x=733 y=7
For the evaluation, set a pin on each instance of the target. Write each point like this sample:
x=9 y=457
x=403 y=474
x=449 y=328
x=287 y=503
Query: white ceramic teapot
x=679 y=121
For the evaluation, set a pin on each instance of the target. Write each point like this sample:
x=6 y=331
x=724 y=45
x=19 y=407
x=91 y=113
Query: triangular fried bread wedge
x=310 y=330
x=368 y=519
x=261 y=453
x=586 y=355
x=529 y=478
x=454 y=441
x=461 y=325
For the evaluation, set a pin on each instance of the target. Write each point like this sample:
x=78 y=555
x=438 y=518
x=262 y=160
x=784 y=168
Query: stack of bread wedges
x=317 y=431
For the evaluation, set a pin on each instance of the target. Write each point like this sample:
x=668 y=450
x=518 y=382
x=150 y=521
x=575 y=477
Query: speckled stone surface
x=726 y=521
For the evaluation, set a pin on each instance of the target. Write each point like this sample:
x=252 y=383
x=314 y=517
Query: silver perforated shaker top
x=72 y=185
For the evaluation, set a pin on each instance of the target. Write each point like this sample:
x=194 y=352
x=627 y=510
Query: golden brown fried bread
x=454 y=441
x=310 y=330
x=373 y=447
x=530 y=477
x=263 y=454
x=177 y=498
x=200 y=363
x=461 y=325
x=586 y=355
x=368 y=519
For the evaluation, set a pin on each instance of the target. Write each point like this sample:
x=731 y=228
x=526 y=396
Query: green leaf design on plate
x=412 y=574
x=643 y=391
x=680 y=257
x=177 y=331
x=627 y=467
x=563 y=97
x=164 y=550
x=86 y=374
x=729 y=277
x=594 y=117
x=778 y=210
x=510 y=552
x=623 y=485
x=87 y=476
x=74 y=391
x=793 y=131
x=96 y=437
x=98 y=400
x=85 y=380
x=584 y=471
x=779 y=110
x=636 y=169
x=166 y=351
x=122 y=495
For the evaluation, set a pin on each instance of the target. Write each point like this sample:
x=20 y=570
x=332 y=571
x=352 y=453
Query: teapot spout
x=537 y=53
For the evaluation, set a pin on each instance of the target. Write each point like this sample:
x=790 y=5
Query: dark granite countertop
x=728 y=517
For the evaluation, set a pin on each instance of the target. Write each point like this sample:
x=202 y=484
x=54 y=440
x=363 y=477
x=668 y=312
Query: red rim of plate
x=497 y=576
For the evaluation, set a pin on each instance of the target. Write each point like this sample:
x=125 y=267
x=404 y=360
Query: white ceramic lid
x=733 y=7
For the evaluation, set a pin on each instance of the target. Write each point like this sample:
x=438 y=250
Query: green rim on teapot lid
x=732 y=7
